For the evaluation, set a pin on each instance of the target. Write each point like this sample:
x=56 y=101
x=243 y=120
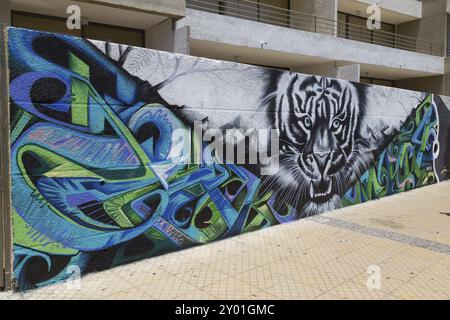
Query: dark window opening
x=92 y=30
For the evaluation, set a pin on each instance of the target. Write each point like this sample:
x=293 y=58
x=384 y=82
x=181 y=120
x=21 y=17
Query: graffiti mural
x=103 y=137
x=406 y=163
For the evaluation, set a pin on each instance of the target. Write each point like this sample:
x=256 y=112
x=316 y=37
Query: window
x=95 y=31
x=342 y=21
x=42 y=23
x=355 y=28
x=109 y=33
x=275 y=12
x=267 y=11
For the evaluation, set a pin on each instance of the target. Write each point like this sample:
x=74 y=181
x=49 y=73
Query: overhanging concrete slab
x=240 y=33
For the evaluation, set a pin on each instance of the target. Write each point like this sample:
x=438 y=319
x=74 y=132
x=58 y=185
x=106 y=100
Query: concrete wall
x=326 y=9
x=350 y=72
x=412 y=8
x=181 y=41
x=5 y=196
x=160 y=36
x=165 y=37
x=5 y=12
x=173 y=8
x=432 y=26
x=112 y=158
x=432 y=84
x=321 y=8
x=210 y=27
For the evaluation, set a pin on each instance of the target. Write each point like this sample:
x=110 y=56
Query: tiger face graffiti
x=318 y=124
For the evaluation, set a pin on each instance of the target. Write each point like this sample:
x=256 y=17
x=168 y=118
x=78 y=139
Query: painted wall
x=111 y=162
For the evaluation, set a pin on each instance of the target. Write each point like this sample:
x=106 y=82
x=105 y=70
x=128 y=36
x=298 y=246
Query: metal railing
x=282 y=17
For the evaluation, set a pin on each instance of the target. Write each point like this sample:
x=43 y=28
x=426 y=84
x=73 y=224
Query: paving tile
x=397 y=271
x=102 y=284
x=261 y=277
x=312 y=257
x=287 y=266
x=225 y=247
x=385 y=284
x=132 y=294
x=197 y=294
x=169 y=287
x=293 y=290
x=445 y=261
x=208 y=254
x=140 y=274
x=411 y=262
x=327 y=296
x=355 y=290
x=343 y=269
x=319 y=279
x=231 y=289
x=252 y=239
x=242 y=263
x=201 y=275
x=261 y=295
x=435 y=279
x=415 y=291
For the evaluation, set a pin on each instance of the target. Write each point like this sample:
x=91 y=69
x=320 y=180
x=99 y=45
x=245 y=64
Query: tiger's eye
x=336 y=124
x=307 y=122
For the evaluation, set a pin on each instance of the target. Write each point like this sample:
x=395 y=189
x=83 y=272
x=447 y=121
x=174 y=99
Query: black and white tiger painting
x=322 y=150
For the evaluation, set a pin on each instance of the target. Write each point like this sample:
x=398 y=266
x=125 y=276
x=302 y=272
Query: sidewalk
x=406 y=237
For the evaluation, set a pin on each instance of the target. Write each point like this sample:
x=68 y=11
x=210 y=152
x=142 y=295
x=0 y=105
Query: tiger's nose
x=321 y=159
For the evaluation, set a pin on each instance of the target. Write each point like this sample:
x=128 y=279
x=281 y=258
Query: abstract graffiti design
x=408 y=161
x=97 y=180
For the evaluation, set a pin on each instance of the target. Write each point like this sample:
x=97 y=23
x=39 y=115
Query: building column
x=334 y=69
x=5 y=12
x=446 y=78
x=321 y=8
x=181 y=43
x=434 y=22
x=431 y=27
x=5 y=191
x=165 y=37
x=351 y=72
x=318 y=8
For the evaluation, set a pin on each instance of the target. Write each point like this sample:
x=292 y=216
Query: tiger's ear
x=324 y=82
x=286 y=81
x=266 y=101
x=284 y=110
x=282 y=87
x=346 y=96
x=283 y=100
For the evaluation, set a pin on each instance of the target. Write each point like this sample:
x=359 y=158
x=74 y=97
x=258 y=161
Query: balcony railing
x=263 y=13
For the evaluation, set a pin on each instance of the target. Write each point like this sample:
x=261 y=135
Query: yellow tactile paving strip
x=306 y=259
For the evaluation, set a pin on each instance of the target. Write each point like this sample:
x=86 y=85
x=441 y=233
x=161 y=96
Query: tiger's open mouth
x=320 y=191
